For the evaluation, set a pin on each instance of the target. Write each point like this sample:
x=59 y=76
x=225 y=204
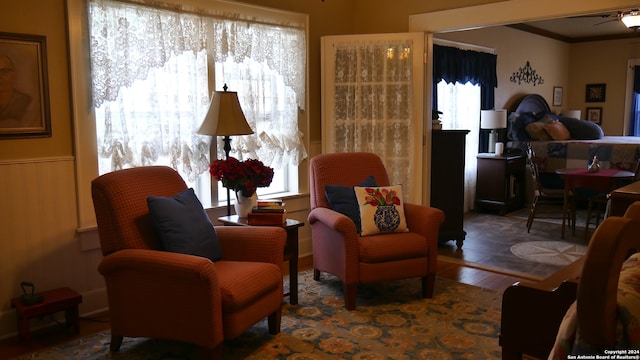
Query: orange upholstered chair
x=339 y=249
x=168 y=295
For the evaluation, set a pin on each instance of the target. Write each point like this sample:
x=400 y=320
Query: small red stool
x=54 y=300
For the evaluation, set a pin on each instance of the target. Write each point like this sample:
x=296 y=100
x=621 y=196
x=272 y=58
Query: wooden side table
x=54 y=300
x=501 y=182
x=290 y=249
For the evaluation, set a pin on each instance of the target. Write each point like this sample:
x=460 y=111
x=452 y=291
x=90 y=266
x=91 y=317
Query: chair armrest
x=252 y=243
x=173 y=266
x=531 y=317
x=333 y=220
x=424 y=220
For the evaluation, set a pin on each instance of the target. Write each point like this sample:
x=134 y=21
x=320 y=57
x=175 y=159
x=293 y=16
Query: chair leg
x=316 y=274
x=274 y=320
x=428 y=283
x=532 y=213
x=350 y=293
x=116 y=342
x=587 y=221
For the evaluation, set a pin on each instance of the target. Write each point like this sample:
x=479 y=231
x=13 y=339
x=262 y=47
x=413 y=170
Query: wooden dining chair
x=543 y=196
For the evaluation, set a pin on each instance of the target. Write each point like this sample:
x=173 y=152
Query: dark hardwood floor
x=476 y=246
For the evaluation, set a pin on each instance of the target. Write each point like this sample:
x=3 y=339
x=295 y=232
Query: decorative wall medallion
x=527 y=75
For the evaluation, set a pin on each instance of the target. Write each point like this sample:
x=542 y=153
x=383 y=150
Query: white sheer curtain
x=460 y=106
x=150 y=83
x=373 y=105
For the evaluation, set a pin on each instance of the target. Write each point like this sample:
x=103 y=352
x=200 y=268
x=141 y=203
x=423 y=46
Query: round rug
x=549 y=252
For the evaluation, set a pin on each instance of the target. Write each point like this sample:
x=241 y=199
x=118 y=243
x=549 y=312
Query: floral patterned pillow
x=381 y=209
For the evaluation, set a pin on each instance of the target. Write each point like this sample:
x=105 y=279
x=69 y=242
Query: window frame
x=83 y=116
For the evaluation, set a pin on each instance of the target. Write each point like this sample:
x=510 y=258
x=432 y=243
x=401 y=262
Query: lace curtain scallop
x=129 y=42
x=373 y=97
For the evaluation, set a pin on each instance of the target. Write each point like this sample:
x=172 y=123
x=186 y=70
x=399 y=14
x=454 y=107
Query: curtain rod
x=464 y=46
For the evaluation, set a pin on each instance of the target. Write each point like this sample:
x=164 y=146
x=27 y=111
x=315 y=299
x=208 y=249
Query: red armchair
x=166 y=295
x=339 y=249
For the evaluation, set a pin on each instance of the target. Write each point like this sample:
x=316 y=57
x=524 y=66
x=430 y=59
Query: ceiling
x=581 y=28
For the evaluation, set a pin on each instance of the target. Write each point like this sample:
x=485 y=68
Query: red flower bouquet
x=378 y=197
x=245 y=176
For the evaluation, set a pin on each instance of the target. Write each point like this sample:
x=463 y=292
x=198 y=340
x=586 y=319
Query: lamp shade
x=493 y=119
x=225 y=116
x=574 y=114
x=631 y=20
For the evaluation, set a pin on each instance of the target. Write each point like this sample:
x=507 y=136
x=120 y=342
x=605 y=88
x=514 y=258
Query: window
x=151 y=72
x=460 y=106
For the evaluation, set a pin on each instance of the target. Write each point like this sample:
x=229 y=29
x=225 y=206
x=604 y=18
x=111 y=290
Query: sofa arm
x=252 y=243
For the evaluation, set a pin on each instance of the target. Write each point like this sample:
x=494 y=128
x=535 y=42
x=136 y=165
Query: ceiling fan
x=631 y=19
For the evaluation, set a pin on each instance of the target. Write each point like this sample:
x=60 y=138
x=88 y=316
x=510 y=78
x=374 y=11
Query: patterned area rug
x=390 y=322
x=559 y=253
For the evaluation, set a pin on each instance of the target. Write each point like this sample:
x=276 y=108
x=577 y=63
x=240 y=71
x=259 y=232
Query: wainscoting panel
x=38 y=241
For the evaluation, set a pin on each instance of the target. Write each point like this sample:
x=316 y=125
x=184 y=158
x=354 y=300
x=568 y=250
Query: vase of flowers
x=243 y=177
x=386 y=217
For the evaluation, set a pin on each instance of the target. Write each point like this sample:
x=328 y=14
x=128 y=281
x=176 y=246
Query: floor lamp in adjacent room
x=225 y=118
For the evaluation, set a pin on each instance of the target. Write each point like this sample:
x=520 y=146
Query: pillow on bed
x=582 y=129
x=537 y=131
x=557 y=131
x=517 y=123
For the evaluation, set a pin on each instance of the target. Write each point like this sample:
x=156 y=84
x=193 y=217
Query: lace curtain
x=373 y=97
x=150 y=84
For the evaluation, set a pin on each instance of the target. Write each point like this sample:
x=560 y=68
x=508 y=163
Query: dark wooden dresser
x=447 y=181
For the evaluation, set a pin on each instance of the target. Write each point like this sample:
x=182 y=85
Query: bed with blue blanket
x=564 y=142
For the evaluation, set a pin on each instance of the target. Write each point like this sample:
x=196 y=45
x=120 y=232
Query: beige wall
x=548 y=57
x=602 y=62
x=571 y=66
x=31 y=17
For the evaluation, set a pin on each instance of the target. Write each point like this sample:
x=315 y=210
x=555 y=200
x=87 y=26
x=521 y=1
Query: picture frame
x=25 y=112
x=594 y=114
x=595 y=93
x=557 y=96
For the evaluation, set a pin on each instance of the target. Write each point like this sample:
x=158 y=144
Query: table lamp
x=493 y=120
x=225 y=118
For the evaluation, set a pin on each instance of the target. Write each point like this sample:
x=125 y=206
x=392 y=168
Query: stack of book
x=268 y=212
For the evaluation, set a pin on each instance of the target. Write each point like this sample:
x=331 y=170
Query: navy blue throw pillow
x=183 y=226
x=343 y=200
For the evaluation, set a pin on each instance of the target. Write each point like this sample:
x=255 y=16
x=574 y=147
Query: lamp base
x=493 y=137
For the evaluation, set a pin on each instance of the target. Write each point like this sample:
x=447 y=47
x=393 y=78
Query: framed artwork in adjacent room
x=596 y=93
x=594 y=114
x=24 y=86
x=557 y=96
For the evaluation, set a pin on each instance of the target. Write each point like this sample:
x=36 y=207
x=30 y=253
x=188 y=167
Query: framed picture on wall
x=596 y=93
x=557 y=96
x=594 y=114
x=24 y=87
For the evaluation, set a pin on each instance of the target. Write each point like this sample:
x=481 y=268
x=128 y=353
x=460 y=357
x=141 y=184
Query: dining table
x=602 y=181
